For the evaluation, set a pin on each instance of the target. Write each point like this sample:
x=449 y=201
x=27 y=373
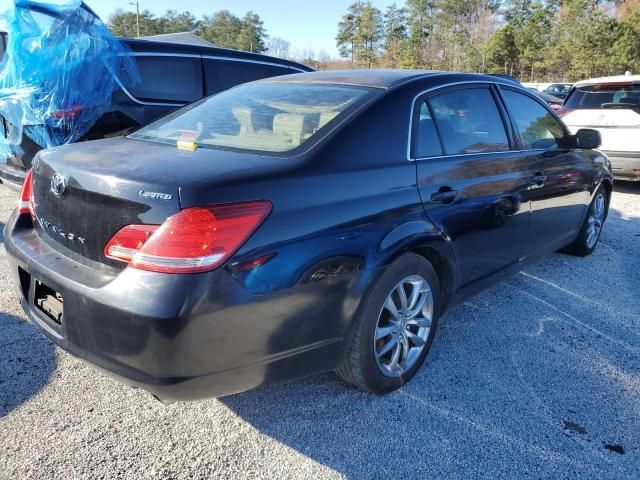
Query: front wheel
x=591 y=229
x=395 y=326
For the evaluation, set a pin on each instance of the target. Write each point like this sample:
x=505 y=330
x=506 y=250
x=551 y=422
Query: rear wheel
x=395 y=326
x=589 y=234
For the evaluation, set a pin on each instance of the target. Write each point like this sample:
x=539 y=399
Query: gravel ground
x=538 y=377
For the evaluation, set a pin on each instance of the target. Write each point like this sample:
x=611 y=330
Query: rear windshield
x=265 y=117
x=605 y=96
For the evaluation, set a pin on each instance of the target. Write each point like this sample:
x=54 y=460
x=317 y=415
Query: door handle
x=537 y=181
x=444 y=196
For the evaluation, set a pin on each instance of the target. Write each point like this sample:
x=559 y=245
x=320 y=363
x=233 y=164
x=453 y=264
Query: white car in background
x=610 y=105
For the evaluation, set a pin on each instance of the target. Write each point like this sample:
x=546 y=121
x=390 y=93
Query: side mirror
x=588 y=138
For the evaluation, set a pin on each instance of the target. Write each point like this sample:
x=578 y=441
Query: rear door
x=611 y=108
x=560 y=177
x=470 y=177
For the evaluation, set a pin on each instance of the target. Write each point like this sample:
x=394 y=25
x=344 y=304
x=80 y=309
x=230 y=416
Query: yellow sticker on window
x=182 y=145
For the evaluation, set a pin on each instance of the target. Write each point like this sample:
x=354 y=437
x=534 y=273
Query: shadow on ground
x=541 y=371
x=27 y=361
x=1 y=232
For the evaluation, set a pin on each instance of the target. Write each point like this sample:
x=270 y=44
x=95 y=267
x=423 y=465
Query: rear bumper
x=625 y=165
x=182 y=337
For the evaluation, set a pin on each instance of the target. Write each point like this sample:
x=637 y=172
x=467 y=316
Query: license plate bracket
x=49 y=302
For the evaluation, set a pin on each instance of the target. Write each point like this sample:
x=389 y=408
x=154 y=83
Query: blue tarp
x=59 y=72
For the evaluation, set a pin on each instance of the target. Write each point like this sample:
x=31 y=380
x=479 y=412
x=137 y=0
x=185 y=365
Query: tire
x=367 y=371
x=589 y=235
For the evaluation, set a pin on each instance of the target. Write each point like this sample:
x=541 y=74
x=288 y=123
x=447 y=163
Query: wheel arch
x=434 y=248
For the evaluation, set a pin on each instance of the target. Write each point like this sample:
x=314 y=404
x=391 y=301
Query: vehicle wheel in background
x=589 y=234
x=395 y=326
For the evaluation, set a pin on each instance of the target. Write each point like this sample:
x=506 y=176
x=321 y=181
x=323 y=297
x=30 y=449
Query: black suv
x=172 y=75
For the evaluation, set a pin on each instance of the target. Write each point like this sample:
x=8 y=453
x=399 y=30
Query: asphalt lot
x=538 y=377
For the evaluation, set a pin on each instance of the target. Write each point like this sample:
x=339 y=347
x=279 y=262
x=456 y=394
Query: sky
x=304 y=23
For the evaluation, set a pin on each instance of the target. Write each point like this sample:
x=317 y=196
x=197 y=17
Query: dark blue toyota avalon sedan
x=299 y=224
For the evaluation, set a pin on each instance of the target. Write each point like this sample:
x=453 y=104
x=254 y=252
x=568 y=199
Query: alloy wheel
x=403 y=326
x=595 y=220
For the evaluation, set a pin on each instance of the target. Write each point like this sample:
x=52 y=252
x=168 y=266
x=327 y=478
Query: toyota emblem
x=58 y=184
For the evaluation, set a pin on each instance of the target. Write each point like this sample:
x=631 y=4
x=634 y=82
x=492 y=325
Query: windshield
x=267 y=117
x=605 y=96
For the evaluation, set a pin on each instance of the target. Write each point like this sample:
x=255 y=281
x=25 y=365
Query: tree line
x=529 y=39
x=222 y=28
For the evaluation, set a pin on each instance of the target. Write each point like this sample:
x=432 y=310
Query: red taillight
x=562 y=111
x=25 y=203
x=193 y=240
x=129 y=241
x=68 y=113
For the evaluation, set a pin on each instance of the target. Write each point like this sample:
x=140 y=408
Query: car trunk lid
x=112 y=183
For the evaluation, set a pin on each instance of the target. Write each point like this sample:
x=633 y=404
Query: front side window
x=469 y=122
x=266 y=117
x=537 y=126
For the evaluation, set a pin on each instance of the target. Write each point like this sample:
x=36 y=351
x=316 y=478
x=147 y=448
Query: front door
x=471 y=180
x=559 y=191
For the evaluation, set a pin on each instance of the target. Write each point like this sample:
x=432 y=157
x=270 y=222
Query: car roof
x=149 y=45
x=182 y=38
x=381 y=78
x=613 y=79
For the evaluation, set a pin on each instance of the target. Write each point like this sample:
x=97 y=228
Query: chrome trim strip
x=166 y=54
x=444 y=85
x=578 y=127
x=456 y=155
x=216 y=57
x=141 y=102
x=248 y=60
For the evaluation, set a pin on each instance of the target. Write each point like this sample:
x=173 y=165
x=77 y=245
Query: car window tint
x=469 y=122
x=262 y=116
x=177 y=79
x=427 y=141
x=223 y=74
x=538 y=128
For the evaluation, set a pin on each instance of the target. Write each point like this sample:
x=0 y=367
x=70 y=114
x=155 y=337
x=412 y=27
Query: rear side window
x=538 y=128
x=223 y=74
x=169 y=79
x=623 y=96
x=427 y=143
x=469 y=121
